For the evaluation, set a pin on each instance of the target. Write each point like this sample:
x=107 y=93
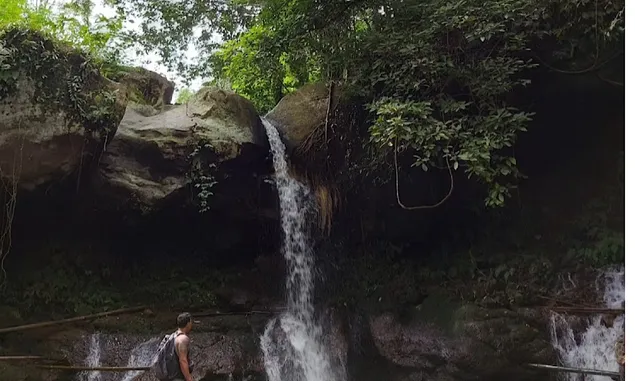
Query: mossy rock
x=145 y=87
x=55 y=107
x=58 y=79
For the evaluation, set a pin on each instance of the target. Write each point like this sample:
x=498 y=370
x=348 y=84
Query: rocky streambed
x=438 y=340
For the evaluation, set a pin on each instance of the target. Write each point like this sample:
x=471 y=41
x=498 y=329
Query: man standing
x=172 y=361
x=182 y=346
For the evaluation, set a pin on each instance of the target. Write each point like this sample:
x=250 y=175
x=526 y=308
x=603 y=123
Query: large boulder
x=145 y=86
x=300 y=113
x=155 y=156
x=463 y=342
x=55 y=108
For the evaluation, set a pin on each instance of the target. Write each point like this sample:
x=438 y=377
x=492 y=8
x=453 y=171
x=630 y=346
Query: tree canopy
x=74 y=22
x=435 y=75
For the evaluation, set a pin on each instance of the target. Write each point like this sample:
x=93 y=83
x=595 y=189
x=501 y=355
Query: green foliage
x=103 y=39
x=379 y=279
x=201 y=175
x=184 y=96
x=257 y=68
x=598 y=232
x=63 y=286
x=604 y=246
x=437 y=76
x=499 y=279
x=383 y=279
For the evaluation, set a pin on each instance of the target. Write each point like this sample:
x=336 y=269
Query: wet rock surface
x=469 y=342
x=451 y=342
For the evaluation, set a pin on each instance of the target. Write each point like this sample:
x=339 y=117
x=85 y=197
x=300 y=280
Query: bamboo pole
x=588 y=310
x=95 y=368
x=21 y=358
x=555 y=301
x=576 y=370
x=70 y=320
x=234 y=313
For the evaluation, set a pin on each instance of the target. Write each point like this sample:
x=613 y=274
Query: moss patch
x=63 y=80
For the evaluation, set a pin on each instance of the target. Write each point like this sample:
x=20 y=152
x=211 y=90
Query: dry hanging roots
x=10 y=185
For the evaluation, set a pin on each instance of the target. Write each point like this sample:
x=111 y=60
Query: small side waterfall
x=594 y=348
x=292 y=343
x=93 y=359
x=142 y=355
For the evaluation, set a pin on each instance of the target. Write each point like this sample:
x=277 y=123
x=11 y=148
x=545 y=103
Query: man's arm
x=182 y=346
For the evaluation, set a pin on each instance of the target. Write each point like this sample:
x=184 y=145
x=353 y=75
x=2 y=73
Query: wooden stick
x=95 y=368
x=328 y=112
x=562 y=301
x=575 y=370
x=20 y=358
x=588 y=310
x=70 y=320
x=234 y=313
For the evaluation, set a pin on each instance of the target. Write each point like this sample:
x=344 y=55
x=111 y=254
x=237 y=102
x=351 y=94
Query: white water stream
x=593 y=348
x=93 y=359
x=141 y=355
x=292 y=343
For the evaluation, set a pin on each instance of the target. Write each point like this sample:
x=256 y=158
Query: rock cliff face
x=56 y=110
x=58 y=120
x=156 y=154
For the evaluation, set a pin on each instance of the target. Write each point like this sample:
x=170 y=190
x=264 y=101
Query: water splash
x=292 y=343
x=594 y=348
x=142 y=355
x=93 y=359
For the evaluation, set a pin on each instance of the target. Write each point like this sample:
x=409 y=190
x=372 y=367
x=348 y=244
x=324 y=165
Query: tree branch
x=444 y=199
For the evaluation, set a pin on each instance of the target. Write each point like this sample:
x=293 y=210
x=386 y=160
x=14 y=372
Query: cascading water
x=594 y=348
x=93 y=359
x=142 y=355
x=295 y=351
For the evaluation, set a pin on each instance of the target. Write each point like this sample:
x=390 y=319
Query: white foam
x=292 y=344
x=595 y=347
x=92 y=360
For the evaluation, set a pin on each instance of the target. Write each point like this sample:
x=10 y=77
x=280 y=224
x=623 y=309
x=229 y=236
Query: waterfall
x=593 y=348
x=140 y=356
x=292 y=343
x=93 y=359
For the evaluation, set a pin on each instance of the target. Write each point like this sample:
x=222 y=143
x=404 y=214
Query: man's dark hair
x=183 y=319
